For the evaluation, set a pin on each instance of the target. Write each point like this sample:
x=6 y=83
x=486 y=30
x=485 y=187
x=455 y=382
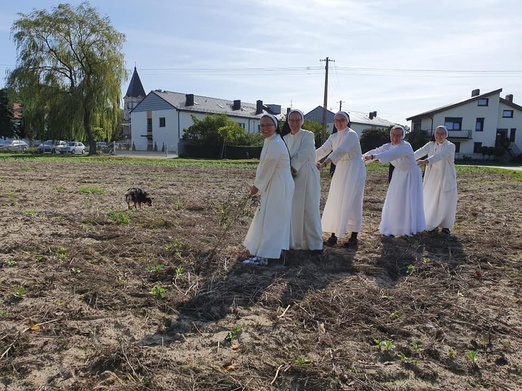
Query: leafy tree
x=317 y=129
x=213 y=130
x=6 y=116
x=69 y=72
x=374 y=137
x=417 y=138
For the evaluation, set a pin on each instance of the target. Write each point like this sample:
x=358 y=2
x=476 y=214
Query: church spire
x=135 y=89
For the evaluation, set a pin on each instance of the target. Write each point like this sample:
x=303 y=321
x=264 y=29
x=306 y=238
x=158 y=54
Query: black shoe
x=332 y=241
x=351 y=243
x=445 y=231
x=319 y=252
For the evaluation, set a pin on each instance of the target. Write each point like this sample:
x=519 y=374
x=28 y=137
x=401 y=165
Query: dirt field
x=95 y=297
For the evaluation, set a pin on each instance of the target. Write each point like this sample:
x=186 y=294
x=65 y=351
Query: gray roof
x=356 y=117
x=205 y=104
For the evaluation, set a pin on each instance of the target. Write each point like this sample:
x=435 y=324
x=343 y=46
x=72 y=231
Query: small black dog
x=137 y=196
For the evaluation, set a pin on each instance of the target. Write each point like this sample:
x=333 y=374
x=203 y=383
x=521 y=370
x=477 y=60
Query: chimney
x=189 y=100
x=475 y=92
x=259 y=107
x=370 y=114
x=509 y=98
x=237 y=105
x=374 y=114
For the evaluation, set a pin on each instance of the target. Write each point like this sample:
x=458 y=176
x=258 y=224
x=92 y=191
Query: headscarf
x=398 y=127
x=442 y=127
x=345 y=115
x=273 y=118
x=296 y=111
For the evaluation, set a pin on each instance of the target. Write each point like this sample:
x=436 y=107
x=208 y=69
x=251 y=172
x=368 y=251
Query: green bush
x=214 y=130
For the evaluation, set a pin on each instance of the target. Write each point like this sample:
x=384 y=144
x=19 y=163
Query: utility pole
x=341 y=105
x=325 y=102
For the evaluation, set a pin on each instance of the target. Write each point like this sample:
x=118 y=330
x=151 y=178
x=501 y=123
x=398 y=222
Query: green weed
x=158 y=291
x=91 y=190
x=154 y=268
x=20 y=293
x=118 y=217
x=29 y=213
x=473 y=356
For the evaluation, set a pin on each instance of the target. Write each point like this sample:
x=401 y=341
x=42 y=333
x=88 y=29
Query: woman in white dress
x=344 y=206
x=306 y=232
x=402 y=213
x=440 y=181
x=269 y=232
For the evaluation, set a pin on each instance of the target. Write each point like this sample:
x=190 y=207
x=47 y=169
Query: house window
x=483 y=101
x=507 y=114
x=417 y=125
x=476 y=147
x=162 y=122
x=241 y=124
x=149 y=125
x=479 y=125
x=453 y=123
x=512 y=135
x=457 y=146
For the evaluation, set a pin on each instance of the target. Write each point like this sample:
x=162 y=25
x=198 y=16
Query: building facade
x=482 y=120
x=159 y=120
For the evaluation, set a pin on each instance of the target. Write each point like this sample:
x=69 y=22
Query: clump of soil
x=96 y=296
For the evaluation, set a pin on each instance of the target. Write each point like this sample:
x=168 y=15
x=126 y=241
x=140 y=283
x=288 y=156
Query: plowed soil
x=94 y=296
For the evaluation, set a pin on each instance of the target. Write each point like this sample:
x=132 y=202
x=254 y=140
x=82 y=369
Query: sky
x=399 y=58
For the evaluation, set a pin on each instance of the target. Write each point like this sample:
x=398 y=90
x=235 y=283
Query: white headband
x=300 y=113
x=398 y=127
x=273 y=118
x=442 y=127
x=344 y=115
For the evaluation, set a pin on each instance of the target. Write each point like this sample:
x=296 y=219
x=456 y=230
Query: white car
x=73 y=147
x=15 y=146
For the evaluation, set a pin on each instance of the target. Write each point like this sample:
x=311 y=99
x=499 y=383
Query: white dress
x=344 y=206
x=440 y=184
x=403 y=212
x=306 y=232
x=269 y=232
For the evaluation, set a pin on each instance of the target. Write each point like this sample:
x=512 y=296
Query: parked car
x=14 y=146
x=51 y=146
x=73 y=147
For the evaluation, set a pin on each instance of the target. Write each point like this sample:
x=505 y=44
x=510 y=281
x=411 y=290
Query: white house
x=479 y=121
x=359 y=121
x=159 y=120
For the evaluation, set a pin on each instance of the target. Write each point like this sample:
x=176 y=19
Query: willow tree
x=70 y=67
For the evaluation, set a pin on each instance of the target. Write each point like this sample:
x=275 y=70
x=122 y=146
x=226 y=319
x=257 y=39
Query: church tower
x=135 y=94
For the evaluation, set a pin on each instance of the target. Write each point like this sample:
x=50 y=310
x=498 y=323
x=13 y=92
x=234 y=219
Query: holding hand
x=422 y=163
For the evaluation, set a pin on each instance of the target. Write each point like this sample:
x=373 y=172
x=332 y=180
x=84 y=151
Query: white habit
x=402 y=213
x=344 y=205
x=440 y=184
x=306 y=232
x=269 y=232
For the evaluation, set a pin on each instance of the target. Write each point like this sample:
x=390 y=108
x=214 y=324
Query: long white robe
x=344 y=206
x=403 y=212
x=269 y=232
x=439 y=184
x=306 y=232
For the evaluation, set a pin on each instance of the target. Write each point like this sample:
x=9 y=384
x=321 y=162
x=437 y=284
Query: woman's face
x=340 y=122
x=396 y=136
x=440 y=136
x=267 y=126
x=294 y=121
